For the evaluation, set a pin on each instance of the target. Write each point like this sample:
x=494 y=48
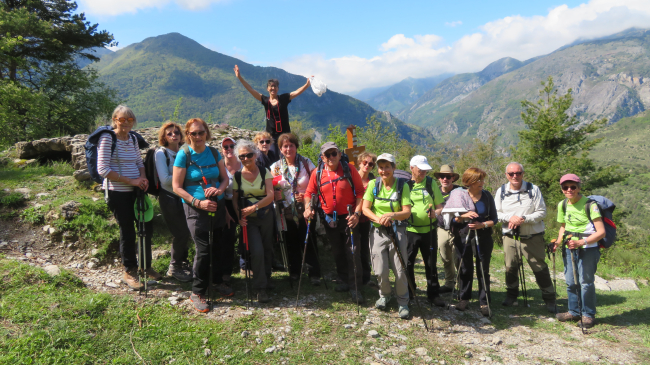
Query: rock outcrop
x=71 y=148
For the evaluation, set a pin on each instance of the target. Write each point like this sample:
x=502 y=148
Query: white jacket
x=520 y=204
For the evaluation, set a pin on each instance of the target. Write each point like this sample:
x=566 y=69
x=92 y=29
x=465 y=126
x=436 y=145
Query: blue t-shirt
x=193 y=173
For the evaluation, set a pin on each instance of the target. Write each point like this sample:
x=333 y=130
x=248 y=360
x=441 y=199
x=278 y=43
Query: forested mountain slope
x=404 y=93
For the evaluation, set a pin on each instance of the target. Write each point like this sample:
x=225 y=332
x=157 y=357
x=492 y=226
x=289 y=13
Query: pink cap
x=570 y=177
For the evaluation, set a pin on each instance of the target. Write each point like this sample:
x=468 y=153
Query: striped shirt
x=128 y=155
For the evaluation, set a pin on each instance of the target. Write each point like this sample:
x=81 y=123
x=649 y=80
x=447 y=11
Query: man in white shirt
x=520 y=207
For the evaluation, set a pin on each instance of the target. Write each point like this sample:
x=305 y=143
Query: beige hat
x=447 y=170
x=386 y=157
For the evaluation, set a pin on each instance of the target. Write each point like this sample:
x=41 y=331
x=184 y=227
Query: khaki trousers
x=447 y=256
x=384 y=258
x=533 y=249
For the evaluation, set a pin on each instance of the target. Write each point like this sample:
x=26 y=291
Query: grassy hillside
x=153 y=75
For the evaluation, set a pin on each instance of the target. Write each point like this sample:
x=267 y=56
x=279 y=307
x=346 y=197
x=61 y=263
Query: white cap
x=420 y=162
x=386 y=157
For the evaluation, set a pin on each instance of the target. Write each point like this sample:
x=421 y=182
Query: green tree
x=43 y=90
x=380 y=139
x=555 y=143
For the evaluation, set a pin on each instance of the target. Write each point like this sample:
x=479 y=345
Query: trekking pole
x=434 y=270
x=244 y=239
x=142 y=250
x=354 y=262
x=548 y=252
x=283 y=243
x=576 y=283
x=522 y=275
x=210 y=242
x=460 y=265
x=478 y=254
x=312 y=203
x=392 y=233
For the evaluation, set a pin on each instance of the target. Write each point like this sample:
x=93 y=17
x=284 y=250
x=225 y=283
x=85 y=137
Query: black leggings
x=121 y=203
x=466 y=254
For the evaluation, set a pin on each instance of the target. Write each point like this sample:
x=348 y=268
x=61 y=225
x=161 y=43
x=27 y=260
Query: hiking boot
x=566 y=316
x=509 y=302
x=445 y=289
x=314 y=281
x=262 y=297
x=404 y=312
x=179 y=273
x=356 y=295
x=551 y=307
x=343 y=287
x=438 y=302
x=131 y=279
x=462 y=305
x=200 y=303
x=224 y=289
x=485 y=311
x=587 y=322
x=381 y=303
x=153 y=274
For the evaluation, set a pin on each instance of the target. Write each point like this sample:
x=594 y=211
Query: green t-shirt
x=575 y=218
x=380 y=207
x=252 y=188
x=421 y=200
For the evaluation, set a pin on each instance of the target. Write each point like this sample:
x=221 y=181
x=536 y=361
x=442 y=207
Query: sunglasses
x=329 y=154
x=369 y=164
x=122 y=120
x=448 y=177
x=246 y=156
x=199 y=133
x=228 y=146
x=569 y=187
x=174 y=133
x=265 y=141
x=518 y=173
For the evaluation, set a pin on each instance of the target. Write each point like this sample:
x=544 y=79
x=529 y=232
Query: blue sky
x=357 y=44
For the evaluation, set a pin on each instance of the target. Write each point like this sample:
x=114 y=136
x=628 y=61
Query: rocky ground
x=473 y=338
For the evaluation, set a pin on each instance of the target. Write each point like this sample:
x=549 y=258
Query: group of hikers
x=374 y=222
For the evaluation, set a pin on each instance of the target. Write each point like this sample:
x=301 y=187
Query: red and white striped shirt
x=125 y=160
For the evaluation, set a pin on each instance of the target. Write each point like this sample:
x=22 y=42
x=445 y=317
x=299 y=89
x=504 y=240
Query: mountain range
x=152 y=76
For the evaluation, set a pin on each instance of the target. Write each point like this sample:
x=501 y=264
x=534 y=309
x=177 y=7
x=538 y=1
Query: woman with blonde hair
x=170 y=138
x=267 y=156
x=200 y=179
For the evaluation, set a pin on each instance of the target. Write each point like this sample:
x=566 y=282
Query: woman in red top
x=338 y=190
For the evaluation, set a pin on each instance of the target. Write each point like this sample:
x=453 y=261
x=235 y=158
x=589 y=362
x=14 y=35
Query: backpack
x=400 y=182
x=529 y=190
x=606 y=208
x=240 y=192
x=346 y=175
x=151 y=172
x=189 y=162
x=93 y=142
x=428 y=186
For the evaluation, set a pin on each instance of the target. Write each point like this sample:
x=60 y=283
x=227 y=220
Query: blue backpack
x=606 y=208
x=93 y=142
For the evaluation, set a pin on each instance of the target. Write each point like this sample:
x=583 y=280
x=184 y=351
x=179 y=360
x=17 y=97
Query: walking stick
x=478 y=254
x=312 y=204
x=576 y=283
x=283 y=243
x=522 y=275
x=142 y=250
x=548 y=252
x=460 y=266
x=392 y=233
x=354 y=262
x=244 y=239
x=434 y=270
x=210 y=243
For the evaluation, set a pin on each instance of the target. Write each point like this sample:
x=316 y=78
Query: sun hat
x=447 y=170
x=570 y=177
x=148 y=209
x=327 y=146
x=421 y=162
x=386 y=157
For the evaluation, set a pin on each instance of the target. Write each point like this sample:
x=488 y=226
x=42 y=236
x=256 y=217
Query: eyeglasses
x=329 y=154
x=569 y=187
x=518 y=173
x=174 y=133
x=228 y=146
x=246 y=156
x=265 y=141
x=443 y=177
x=369 y=164
x=199 y=133
x=122 y=120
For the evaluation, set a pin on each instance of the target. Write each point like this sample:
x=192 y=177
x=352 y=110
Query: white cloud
x=514 y=36
x=116 y=7
x=454 y=24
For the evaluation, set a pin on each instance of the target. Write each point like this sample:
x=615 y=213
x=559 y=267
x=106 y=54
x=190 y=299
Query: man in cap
x=337 y=186
x=521 y=210
x=420 y=233
x=446 y=177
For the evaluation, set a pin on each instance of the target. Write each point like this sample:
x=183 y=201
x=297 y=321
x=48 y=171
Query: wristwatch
x=358 y=214
x=523 y=217
x=257 y=207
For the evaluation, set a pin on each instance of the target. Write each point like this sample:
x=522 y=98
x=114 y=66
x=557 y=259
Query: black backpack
x=93 y=142
x=428 y=186
x=400 y=187
x=529 y=190
x=189 y=162
x=240 y=192
x=346 y=175
x=151 y=172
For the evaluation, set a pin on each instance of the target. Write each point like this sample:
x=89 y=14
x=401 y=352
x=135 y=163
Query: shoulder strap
x=503 y=191
x=529 y=189
x=305 y=166
x=239 y=190
x=215 y=154
x=411 y=183
x=588 y=209
x=188 y=157
x=263 y=175
x=429 y=187
x=347 y=175
x=377 y=188
x=564 y=206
